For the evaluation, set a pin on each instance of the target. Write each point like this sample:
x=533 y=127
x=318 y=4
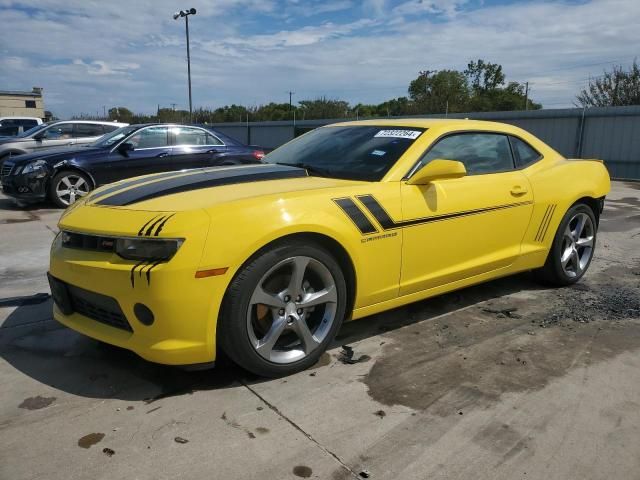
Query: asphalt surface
x=507 y=380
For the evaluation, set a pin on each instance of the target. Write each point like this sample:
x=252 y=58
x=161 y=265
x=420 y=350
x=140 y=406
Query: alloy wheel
x=70 y=188
x=292 y=309
x=577 y=245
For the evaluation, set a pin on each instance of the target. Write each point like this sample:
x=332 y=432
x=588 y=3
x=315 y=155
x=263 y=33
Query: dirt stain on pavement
x=302 y=471
x=472 y=357
x=91 y=439
x=36 y=403
x=262 y=430
x=323 y=361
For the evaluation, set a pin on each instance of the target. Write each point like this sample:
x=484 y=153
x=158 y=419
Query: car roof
x=457 y=123
x=100 y=122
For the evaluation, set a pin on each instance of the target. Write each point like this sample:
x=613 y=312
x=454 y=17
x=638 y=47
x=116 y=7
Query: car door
x=150 y=153
x=195 y=147
x=455 y=229
x=57 y=135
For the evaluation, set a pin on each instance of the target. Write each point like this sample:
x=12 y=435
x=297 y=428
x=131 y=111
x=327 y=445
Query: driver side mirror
x=39 y=136
x=125 y=148
x=438 y=170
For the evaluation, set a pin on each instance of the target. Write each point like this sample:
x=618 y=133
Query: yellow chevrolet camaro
x=266 y=261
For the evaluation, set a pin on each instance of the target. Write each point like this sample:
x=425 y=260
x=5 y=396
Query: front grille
x=6 y=169
x=88 y=242
x=100 y=308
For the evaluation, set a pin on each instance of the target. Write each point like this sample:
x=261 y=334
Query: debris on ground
x=108 y=452
x=380 y=413
x=580 y=306
x=365 y=474
x=347 y=356
x=180 y=440
x=509 y=312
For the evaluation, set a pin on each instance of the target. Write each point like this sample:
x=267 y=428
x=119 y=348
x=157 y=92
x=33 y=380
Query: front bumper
x=185 y=309
x=30 y=186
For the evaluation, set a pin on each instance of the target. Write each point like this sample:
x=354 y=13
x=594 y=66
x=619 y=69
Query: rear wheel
x=283 y=309
x=572 y=248
x=68 y=186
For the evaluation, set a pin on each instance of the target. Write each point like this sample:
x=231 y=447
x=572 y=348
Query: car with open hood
x=266 y=261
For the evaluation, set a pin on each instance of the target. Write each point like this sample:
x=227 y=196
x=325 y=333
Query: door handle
x=213 y=150
x=518 y=190
x=163 y=154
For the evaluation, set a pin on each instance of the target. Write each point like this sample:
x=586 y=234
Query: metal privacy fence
x=608 y=133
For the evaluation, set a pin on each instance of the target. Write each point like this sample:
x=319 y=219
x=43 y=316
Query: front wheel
x=283 y=309
x=572 y=248
x=68 y=186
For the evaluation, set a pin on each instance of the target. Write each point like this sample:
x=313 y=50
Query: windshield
x=112 y=138
x=355 y=152
x=33 y=130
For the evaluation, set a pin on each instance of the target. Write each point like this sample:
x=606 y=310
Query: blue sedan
x=64 y=175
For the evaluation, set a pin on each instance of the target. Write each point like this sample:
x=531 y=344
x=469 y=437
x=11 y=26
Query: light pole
x=185 y=14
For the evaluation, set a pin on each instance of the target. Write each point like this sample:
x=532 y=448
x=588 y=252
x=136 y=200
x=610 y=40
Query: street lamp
x=185 y=14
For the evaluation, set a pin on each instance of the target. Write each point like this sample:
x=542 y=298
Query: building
x=22 y=104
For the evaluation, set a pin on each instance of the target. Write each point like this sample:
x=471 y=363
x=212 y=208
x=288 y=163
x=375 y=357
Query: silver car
x=55 y=134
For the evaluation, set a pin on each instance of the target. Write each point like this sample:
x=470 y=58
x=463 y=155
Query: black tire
x=233 y=330
x=552 y=273
x=59 y=201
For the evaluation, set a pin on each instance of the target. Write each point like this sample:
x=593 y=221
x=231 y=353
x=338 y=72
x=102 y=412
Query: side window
x=109 y=128
x=26 y=123
x=60 y=131
x=151 y=137
x=190 y=136
x=480 y=152
x=83 y=130
x=523 y=152
x=211 y=140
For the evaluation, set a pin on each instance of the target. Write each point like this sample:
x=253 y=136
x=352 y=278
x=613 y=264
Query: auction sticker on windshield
x=409 y=134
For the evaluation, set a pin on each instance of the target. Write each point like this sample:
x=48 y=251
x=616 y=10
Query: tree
x=615 y=88
x=439 y=91
x=121 y=114
x=484 y=76
x=323 y=108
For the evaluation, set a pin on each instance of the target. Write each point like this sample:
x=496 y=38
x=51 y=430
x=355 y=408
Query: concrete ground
x=505 y=380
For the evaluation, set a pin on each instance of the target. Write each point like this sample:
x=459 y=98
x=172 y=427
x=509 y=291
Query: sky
x=87 y=54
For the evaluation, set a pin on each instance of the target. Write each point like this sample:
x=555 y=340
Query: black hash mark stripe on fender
x=360 y=220
x=204 y=179
x=547 y=222
x=387 y=223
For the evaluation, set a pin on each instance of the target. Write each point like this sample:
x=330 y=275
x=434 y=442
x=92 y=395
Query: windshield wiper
x=322 y=172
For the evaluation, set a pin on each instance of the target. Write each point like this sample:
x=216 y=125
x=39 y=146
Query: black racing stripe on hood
x=132 y=183
x=204 y=179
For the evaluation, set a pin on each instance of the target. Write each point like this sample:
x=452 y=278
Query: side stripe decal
x=387 y=223
x=544 y=224
x=354 y=213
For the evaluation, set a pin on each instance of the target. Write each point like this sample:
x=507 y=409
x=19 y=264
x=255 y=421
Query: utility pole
x=291 y=94
x=185 y=14
x=526 y=96
x=173 y=106
x=104 y=111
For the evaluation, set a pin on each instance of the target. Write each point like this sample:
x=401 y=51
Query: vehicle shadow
x=61 y=358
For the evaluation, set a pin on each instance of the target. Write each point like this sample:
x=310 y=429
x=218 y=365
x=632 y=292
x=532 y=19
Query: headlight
x=34 y=166
x=147 y=249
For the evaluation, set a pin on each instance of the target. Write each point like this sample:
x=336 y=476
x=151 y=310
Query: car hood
x=208 y=187
x=56 y=154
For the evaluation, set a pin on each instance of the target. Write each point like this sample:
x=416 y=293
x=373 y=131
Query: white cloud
x=88 y=53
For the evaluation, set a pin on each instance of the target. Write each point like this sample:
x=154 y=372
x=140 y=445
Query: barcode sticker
x=409 y=134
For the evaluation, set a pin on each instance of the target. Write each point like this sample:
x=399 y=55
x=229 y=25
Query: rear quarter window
x=524 y=154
